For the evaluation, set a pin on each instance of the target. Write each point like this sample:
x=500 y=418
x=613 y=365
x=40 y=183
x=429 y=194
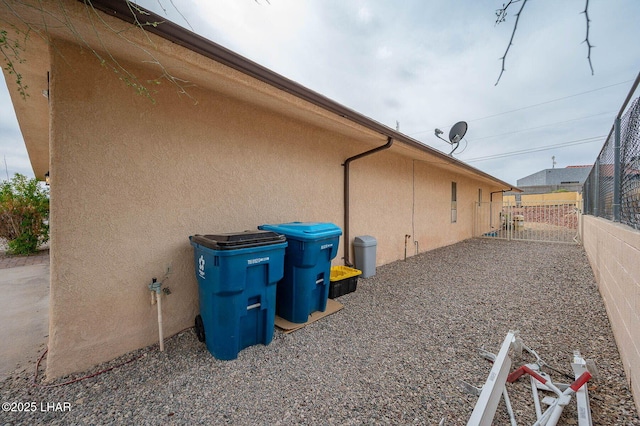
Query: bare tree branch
x=10 y=52
x=10 y=49
x=586 y=40
x=501 y=14
x=183 y=17
x=177 y=10
x=127 y=77
x=501 y=17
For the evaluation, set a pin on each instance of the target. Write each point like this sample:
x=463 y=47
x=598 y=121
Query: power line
x=542 y=126
x=538 y=149
x=551 y=101
x=535 y=105
x=543 y=148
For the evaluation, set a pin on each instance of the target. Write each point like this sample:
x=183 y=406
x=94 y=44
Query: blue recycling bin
x=237 y=275
x=304 y=288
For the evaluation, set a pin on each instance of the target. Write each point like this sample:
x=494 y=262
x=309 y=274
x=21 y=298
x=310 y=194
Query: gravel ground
x=395 y=354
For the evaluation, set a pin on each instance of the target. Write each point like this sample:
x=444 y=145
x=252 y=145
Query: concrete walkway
x=24 y=311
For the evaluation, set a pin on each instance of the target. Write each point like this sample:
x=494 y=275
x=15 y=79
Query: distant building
x=570 y=178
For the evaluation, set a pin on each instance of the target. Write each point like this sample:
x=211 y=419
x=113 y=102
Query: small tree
x=24 y=211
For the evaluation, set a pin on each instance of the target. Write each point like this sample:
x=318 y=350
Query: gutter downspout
x=495 y=192
x=346 y=193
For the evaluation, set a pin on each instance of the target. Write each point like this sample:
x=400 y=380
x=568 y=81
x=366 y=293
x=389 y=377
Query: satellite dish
x=457 y=132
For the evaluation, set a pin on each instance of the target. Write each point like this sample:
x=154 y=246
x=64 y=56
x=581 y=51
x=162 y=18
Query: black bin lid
x=238 y=240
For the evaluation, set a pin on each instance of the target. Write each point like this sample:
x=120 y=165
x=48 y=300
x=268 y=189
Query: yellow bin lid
x=339 y=273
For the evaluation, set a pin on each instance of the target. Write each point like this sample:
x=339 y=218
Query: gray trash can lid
x=364 y=241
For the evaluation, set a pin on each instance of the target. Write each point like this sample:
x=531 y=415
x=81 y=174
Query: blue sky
x=428 y=64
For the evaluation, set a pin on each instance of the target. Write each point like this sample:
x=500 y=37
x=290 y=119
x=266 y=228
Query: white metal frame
x=495 y=387
x=579 y=366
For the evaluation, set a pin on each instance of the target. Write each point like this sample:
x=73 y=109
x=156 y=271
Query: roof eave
x=196 y=43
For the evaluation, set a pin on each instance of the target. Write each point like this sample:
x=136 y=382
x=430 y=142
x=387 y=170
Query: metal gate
x=549 y=221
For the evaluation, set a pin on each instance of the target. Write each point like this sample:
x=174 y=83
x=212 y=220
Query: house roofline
x=173 y=32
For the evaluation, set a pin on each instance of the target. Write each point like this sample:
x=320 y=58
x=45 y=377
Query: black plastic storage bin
x=344 y=280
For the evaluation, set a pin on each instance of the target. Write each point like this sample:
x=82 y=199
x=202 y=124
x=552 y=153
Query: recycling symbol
x=201 y=266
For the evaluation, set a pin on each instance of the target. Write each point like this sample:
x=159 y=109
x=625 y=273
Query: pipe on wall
x=346 y=164
x=495 y=192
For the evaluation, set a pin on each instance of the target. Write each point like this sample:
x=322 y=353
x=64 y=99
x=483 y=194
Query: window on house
x=479 y=196
x=454 y=202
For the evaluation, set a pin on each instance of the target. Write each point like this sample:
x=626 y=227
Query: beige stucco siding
x=131 y=180
x=381 y=201
x=394 y=196
x=434 y=227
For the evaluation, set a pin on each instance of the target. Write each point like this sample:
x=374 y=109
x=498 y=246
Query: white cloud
x=383 y=52
x=364 y=14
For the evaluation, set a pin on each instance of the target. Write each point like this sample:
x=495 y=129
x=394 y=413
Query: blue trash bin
x=304 y=288
x=237 y=275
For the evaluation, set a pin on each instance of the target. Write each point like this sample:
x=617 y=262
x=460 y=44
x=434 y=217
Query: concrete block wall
x=614 y=253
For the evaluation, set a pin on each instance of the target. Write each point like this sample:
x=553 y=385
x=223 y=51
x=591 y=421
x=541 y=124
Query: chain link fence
x=612 y=190
x=630 y=157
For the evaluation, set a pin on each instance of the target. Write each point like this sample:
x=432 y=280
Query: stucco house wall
x=410 y=197
x=131 y=179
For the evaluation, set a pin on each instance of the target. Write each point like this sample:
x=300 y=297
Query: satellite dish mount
x=456 y=134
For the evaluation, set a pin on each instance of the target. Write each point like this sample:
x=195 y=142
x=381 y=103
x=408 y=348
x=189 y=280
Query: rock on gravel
x=395 y=354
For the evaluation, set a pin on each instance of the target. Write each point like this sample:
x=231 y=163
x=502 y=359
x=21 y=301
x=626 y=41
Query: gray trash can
x=364 y=247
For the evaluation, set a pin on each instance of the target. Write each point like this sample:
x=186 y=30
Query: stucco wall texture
x=131 y=180
x=613 y=251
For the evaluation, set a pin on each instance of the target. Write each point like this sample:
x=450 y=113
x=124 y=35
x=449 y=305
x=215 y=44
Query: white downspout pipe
x=156 y=297
x=160 y=334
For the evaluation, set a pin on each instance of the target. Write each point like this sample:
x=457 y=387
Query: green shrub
x=24 y=212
